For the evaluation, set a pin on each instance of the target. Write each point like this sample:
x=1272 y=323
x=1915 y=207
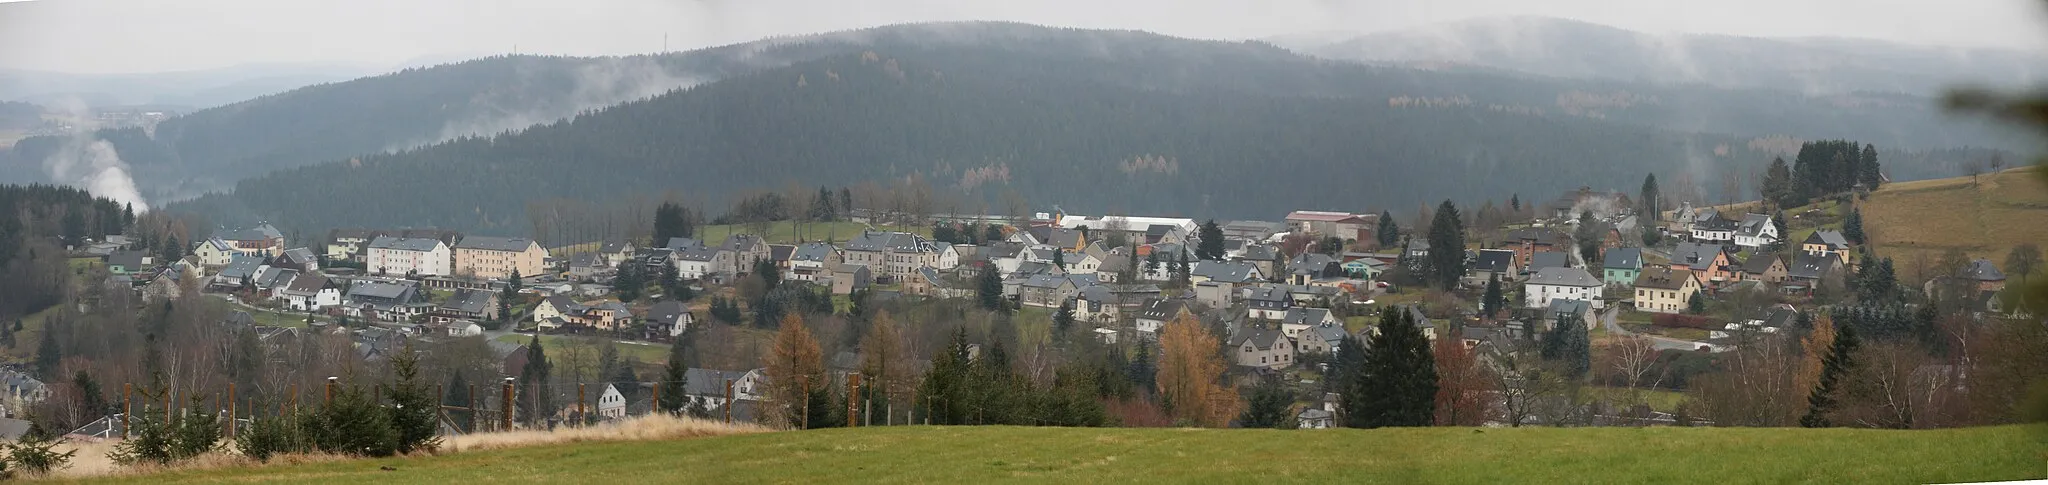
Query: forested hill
x=210 y=149
x=1083 y=132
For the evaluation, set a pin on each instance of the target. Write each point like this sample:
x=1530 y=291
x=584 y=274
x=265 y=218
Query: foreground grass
x=1427 y=455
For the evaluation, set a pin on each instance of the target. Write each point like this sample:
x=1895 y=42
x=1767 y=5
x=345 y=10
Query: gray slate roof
x=1983 y=270
x=1623 y=258
x=1564 y=277
x=1833 y=239
x=1543 y=260
x=1697 y=256
x=404 y=244
x=494 y=243
x=1227 y=272
x=258 y=233
x=469 y=301
x=1495 y=261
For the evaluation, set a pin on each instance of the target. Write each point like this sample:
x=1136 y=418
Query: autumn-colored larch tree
x=796 y=367
x=885 y=368
x=1190 y=373
x=1462 y=385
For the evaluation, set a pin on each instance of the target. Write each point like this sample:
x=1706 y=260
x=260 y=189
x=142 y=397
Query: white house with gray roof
x=410 y=256
x=1561 y=284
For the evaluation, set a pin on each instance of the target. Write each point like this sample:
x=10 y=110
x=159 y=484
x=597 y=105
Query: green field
x=1069 y=455
x=648 y=353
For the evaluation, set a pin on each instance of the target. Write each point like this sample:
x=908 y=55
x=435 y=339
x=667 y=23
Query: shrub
x=35 y=455
x=274 y=435
x=352 y=425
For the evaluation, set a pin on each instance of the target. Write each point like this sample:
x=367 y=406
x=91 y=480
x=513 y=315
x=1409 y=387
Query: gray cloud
x=146 y=36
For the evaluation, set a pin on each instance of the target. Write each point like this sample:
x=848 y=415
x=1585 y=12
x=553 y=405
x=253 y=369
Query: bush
x=159 y=438
x=352 y=425
x=272 y=436
x=35 y=456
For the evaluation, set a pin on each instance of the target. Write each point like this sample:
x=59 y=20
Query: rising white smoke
x=93 y=164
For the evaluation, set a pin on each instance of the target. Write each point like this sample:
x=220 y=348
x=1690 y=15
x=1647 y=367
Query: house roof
x=1983 y=270
x=378 y=289
x=1696 y=256
x=1330 y=333
x=1228 y=272
x=564 y=304
x=812 y=252
x=890 y=241
x=1540 y=235
x=1162 y=308
x=1811 y=266
x=1311 y=262
x=583 y=260
x=470 y=301
x=1833 y=239
x=1260 y=252
x=615 y=247
x=694 y=253
x=1662 y=278
x=338 y=234
x=1560 y=307
x=1036 y=267
x=1254 y=227
x=1564 y=277
x=127 y=259
x=1623 y=258
x=709 y=382
x=273 y=277
x=241 y=265
x=1753 y=224
x=1047 y=281
x=1263 y=338
x=261 y=232
x=742 y=242
x=308 y=283
x=1495 y=260
x=217 y=243
x=1543 y=260
x=1269 y=293
x=494 y=243
x=405 y=243
x=683 y=243
x=781 y=252
x=667 y=311
x=297 y=256
x=1759 y=263
x=1305 y=316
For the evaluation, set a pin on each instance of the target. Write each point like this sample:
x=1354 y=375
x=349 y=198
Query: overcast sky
x=152 y=36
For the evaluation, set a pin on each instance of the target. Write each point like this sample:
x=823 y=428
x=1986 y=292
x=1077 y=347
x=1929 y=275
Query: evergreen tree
x=1151 y=262
x=1389 y=232
x=675 y=378
x=628 y=282
x=1142 y=370
x=1589 y=236
x=990 y=289
x=671 y=220
x=770 y=276
x=821 y=208
x=1182 y=268
x=1568 y=343
x=1651 y=199
x=1059 y=258
x=1515 y=202
x=1211 y=245
x=415 y=414
x=1445 y=263
x=1268 y=406
x=92 y=399
x=1852 y=226
x=1397 y=383
x=1346 y=364
x=846 y=200
x=1494 y=300
x=1698 y=305
x=48 y=354
x=1777 y=184
x=1870 y=175
x=535 y=396
x=1822 y=401
x=172 y=251
x=1063 y=320
x=1778 y=223
x=458 y=397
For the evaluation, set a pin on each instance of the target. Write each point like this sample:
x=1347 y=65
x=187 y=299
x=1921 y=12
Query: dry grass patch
x=1928 y=217
x=92 y=462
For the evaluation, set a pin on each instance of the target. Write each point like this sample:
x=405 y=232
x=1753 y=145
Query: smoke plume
x=92 y=164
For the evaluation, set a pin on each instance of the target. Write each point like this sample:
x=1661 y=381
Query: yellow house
x=497 y=257
x=1665 y=290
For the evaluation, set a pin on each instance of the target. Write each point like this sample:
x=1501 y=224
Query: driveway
x=1659 y=342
